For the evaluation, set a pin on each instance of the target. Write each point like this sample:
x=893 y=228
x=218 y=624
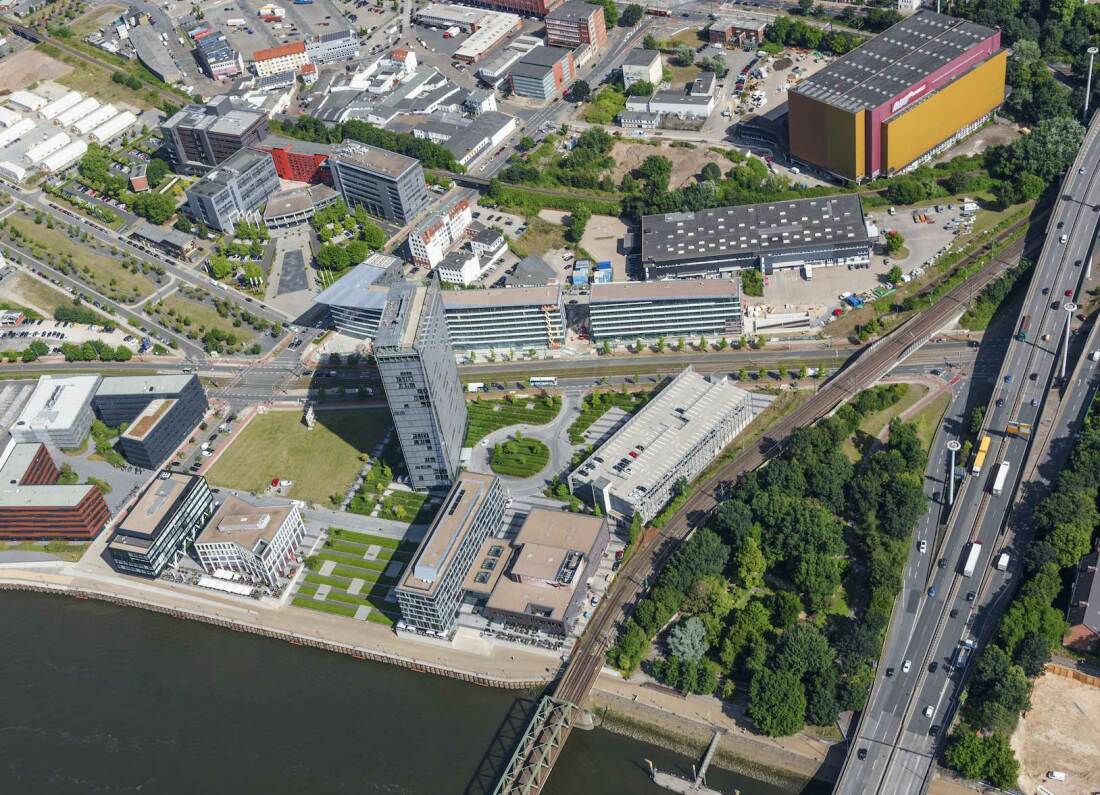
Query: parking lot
x=54 y=332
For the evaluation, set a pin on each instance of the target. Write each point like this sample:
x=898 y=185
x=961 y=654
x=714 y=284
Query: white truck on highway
x=1001 y=478
x=972 y=558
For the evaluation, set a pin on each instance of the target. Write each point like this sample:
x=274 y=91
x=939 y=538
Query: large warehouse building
x=674 y=308
x=772 y=236
x=901 y=98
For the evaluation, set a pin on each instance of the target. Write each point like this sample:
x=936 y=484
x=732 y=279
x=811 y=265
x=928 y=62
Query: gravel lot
x=1061 y=731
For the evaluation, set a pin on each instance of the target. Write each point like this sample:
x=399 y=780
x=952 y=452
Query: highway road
x=896 y=732
x=541 y=746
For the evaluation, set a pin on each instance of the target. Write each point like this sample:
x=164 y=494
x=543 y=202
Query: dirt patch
x=27 y=67
x=686 y=163
x=1061 y=731
x=603 y=236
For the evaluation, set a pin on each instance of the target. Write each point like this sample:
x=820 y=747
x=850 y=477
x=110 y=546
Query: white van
x=1056 y=775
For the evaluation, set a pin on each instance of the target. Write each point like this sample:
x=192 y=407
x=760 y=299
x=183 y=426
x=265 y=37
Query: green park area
x=486 y=416
x=320 y=462
x=359 y=572
x=874 y=423
x=399 y=505
x=59 y=549
x=81 y=259
x=519 y=457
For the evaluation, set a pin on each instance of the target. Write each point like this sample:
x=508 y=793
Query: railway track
x=657 y=545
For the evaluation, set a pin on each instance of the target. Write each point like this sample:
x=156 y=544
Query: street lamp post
x=954 y=447
x=1088 y=83
x=1070 y=308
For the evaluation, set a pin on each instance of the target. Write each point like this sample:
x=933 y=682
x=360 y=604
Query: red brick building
x=531 y=8
x=575 y=23
x=1083 y=616
x=33 y=507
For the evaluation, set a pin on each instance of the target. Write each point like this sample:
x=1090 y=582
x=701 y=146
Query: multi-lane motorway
x=940 y=608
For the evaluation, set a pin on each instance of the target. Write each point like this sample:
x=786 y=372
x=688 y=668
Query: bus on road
x=543 y=380
x=999 y=481
x=979 y=457
x=1025 y=324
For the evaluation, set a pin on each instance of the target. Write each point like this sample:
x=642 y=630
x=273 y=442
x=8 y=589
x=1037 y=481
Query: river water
x=103 y=699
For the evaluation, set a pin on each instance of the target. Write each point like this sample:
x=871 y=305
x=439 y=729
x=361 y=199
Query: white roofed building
x=60 y=105
x=59 y=411
x=432 y=237
x=74 y=114
x=91 y=121
x=258 y=542
x=113 y=128
x=26 y=101
x=65 y=157
x=39 y=152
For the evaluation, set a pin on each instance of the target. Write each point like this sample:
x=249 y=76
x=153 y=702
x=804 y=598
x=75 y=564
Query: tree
x=711 y=172
x=687 y=640
x=894 y=243
x=656 y=170
x=610 y=11
x=750 y=564
x=684 y=55
x=777 y=703
x=156 y=171
x=894 y=275
x=977 y=417
x=786 y=609
x=372 y=235
x=650 y=42
x=154 y=207
x=966 y=753
x=581 y=91
x=606 y=348
x=642 y=88
x=631 y=15
x=805 y=6
x=332 y=257
x=576 y=222
x=752 y=282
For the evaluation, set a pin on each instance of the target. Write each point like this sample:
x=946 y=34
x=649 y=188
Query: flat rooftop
x=753 y=228
x=152 y=414
x=510 y=296
x=15 y=459
x=640 y=57
x=56 y=401
x=549 y=556
x=888 y=64
x=654 y=441
x=363 y=287
x=450 y=526
x=371 y=158
x=157 y=502
x=572 y=11
x=143 y=385
x=233 y=121
x=400 y=321
x=669 y=290
x=249 y=526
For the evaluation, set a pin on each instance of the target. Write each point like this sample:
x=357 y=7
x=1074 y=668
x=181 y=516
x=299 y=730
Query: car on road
x=932 y=592
x=942 y=563
x=1068 y=293
x=933 y=666
x=923 y=546
x=1063 y=239
x=954 y=612
x=1034 y=402
x=929 y=711
x=933 y=730
x=905 y=666
x=889 y=672
x=1008 y=378
x=862 y=754
x=1046 y=291
x=971 y=596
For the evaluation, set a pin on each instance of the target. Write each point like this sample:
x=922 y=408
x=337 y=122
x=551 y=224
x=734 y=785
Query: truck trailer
x=972 y=559
x=1000 y=479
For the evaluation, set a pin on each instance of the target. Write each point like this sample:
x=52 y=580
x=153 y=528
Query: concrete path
x=554 y=435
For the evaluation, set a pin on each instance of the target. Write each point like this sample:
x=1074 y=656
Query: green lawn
x=102 y=270
x=928 y=419
x=598 y=403
x=876 y=423
x=486 y=416
x=539 y=237
x=346 y=548
x=59 y=549
x=519 y=458
x=321 y=462
x=186 y=316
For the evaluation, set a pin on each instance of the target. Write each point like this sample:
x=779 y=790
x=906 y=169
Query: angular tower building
x=418 y=370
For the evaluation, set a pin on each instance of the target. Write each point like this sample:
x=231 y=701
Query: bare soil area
x=1061 y=731
x=686 y=163
x=27 y=67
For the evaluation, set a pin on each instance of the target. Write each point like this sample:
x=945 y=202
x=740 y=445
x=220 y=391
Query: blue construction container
x=602 y=276
x=854 y=301
x=605 y=265
x=580 y=277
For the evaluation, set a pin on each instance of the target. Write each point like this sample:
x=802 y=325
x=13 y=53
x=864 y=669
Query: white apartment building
x=460 y=267
x=258 y=542
x=432 y=238
x=285 y=57
x=642 y=66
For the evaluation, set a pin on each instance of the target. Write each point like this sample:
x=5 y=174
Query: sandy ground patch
x=553 y=216
x=603 y=236
x=686 y=163
x=1061 y=731
x=29 y=66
